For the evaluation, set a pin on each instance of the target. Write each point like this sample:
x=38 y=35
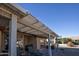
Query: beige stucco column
x=49 y=45
x=13 y=36
x=2 y=43
x=25 y=40
x=38 y=42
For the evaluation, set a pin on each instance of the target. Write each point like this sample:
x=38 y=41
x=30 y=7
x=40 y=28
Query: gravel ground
x=66 y=52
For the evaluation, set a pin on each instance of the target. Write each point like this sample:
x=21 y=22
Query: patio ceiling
x=31 y=25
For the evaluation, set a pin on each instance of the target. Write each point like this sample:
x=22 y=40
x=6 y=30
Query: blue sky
x=61 y=18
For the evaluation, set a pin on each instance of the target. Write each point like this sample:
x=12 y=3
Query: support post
x=49 y=46
x=38 y=42
x=13 y=36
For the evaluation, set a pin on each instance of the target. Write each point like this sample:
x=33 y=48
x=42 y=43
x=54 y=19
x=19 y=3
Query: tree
x=70 y=42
